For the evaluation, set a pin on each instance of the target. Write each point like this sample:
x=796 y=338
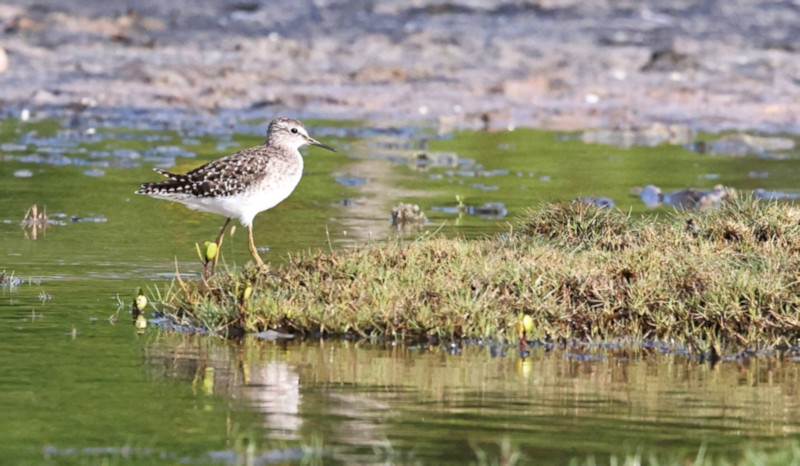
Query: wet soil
x=561 y=64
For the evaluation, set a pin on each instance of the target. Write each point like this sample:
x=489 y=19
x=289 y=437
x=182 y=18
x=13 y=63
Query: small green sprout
x=248 y=290
x=210 y=250
x=140 y=302
x=460 y=201
x=527 y=323
x=524 y=326
x=207 y=252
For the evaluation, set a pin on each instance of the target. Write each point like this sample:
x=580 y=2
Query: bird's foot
x=260 y=263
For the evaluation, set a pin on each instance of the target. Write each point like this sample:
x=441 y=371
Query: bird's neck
x=280 y=142
x=288 y=151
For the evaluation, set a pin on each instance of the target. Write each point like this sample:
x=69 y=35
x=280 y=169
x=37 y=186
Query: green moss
x=716 y=281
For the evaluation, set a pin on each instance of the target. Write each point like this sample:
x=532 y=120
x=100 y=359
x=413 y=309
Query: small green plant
x=524 y=328
x=138 y=306
x=460 y=203
x=208 y=257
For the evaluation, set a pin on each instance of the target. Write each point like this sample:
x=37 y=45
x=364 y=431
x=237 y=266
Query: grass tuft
x=577 y=224
x=717 y=281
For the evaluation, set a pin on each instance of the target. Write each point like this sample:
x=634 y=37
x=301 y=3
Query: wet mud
x=559 y=64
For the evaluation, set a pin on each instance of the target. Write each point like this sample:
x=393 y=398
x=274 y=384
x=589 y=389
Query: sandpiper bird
x=245 y=183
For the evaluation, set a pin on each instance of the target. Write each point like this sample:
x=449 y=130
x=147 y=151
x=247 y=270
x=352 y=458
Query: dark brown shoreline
x=558 y=64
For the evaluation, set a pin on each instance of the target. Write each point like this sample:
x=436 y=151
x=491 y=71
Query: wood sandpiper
x=242 y=184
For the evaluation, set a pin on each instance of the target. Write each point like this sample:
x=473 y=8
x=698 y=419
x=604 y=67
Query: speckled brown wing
x=223 y=177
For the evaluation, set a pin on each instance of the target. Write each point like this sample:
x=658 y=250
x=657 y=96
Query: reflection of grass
x=449 y=399
x=725 y=279
x=508 y=455
x=245 y=451
x=789 y=455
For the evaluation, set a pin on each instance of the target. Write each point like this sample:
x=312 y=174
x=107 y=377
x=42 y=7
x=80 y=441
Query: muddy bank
x=559 y=64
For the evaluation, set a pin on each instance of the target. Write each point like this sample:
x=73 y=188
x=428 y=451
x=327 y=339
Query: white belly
x=245 y=205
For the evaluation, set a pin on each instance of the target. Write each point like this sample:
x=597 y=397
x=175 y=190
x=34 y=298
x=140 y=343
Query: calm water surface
x=77 y=389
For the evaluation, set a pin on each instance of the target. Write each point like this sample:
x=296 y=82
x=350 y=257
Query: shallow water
x=78 y=389
x=365 y=399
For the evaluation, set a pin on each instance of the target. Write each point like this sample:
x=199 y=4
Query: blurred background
x=557 y=64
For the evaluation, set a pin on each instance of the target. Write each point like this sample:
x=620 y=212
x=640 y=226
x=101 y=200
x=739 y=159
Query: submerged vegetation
x=715 y=281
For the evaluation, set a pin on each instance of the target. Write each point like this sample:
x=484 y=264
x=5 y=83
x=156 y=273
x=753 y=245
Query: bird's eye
x=294 y=130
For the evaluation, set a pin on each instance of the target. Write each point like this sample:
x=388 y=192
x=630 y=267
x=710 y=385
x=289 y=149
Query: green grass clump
x=577 y=224
x=717 y=280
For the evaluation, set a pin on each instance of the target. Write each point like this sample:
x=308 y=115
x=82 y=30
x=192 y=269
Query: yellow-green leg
x=253 y=250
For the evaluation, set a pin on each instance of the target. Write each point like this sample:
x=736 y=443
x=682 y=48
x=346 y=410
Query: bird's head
x=290 y=132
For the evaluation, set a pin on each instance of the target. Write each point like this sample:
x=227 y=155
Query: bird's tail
x=156 y=187
x=167 y=174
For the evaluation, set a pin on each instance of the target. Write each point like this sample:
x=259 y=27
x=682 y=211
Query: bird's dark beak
x=314 y=142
